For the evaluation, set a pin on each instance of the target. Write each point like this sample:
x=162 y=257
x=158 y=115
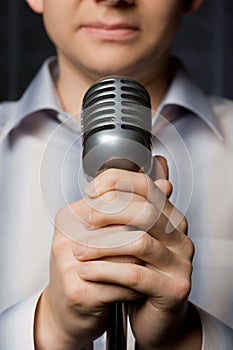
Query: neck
x=72 y=83
x=158 y=83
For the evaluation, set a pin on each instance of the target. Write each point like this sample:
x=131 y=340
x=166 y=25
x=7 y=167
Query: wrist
x=49 y=335
x=186 y=334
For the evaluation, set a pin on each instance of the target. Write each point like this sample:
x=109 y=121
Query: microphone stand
x=117 y=327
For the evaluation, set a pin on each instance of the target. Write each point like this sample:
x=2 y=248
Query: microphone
x=116 y=126
x=116 y=133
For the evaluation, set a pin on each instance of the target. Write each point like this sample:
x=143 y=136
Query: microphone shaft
x=117 y=327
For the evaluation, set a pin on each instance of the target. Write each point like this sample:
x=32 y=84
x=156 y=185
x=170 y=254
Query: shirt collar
x=41 y=95
x=184 y=92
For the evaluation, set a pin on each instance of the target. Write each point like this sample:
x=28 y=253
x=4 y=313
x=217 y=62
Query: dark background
x=204 y=43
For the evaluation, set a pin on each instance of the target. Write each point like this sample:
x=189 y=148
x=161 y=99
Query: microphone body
x=116 y=133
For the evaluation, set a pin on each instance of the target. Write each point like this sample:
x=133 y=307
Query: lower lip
x=116 y=34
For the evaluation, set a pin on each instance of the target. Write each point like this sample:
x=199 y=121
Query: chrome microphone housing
x=116 y=126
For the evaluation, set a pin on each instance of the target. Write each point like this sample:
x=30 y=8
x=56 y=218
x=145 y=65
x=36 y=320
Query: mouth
x=110 y=32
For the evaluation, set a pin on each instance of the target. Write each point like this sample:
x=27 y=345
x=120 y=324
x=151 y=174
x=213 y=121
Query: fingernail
x=91 y=188
x=169 y=228
x=79 y=250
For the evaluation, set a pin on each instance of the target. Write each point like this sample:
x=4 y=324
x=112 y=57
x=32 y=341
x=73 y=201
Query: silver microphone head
x=116 y=126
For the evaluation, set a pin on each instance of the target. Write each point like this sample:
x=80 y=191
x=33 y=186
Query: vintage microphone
x=116 y=133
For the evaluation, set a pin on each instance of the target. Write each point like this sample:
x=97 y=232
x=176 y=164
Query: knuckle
x=97 y=218
x=150 y=214
x=189 y=247
x=131 y=295
x=71 y=296
x=66 y=211
x=59 y=220
x=145 y=182
x=183 y=225
x=75 y=295
x=109 y=177
x=183 y=289
x=189 y=269
x=65 y=270
x=134 y=276
x=144 y=245
x=58 y=245
x=149 y=211
x=110 y=196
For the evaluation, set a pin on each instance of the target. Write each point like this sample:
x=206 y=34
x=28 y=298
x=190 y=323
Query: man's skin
x=95 y=38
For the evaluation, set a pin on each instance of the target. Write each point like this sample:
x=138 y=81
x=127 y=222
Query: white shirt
x=40 y=157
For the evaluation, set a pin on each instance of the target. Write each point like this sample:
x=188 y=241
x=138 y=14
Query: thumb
x=159 y=169
x=160 y=174
x=165 y=186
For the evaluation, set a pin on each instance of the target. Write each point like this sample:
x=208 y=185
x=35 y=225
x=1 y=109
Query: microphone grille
x=116 y=101
x=116 y=126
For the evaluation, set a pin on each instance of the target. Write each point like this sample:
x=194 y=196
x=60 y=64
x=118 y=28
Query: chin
x=113 y=68
x=113 y=61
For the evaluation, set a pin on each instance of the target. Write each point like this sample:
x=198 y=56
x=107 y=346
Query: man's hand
x=161 y=273
x=72 y=311
x=137 y=252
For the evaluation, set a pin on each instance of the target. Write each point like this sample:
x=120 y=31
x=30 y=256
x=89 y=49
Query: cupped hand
x=161 y=273
x=72 y=312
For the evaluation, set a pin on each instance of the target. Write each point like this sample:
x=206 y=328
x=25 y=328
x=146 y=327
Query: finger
x=140 y=214
x=125 y=181
x=145 y=249
x=94 y=295
x=133 y=210
x=124 y=211
x=165 y=186
x=176 y=217
x=140 y=279
x=126 y=275
x=86 y=294
x=62 y=249
x=165 y=256
x=113 y=197
x=121 y=180
x=77 y=291
x=159 y=169
x=138 y=183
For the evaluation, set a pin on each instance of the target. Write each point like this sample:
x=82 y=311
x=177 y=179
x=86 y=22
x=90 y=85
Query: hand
x=163 y=252
x=72 y=312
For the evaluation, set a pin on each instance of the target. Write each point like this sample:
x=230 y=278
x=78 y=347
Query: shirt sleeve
x=215 y=334
x=17 y=325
